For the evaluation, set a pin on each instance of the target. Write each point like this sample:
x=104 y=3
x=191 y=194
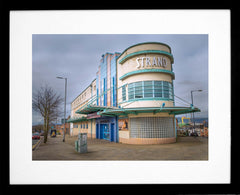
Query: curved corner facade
x=138 y=74
x=145 y=80
x=133 y=98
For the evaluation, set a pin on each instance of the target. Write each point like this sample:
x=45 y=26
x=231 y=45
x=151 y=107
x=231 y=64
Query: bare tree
x=46 y=102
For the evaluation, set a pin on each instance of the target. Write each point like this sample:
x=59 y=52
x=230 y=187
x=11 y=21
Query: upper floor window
x=124 y=92
x=150 y=89
x=75 y=126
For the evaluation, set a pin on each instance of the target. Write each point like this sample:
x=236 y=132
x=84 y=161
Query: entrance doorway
x=104 y=131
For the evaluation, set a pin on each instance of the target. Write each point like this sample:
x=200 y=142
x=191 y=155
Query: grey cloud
x=77 y=58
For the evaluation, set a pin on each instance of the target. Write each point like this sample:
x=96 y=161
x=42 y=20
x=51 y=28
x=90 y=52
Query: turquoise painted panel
x=146 y=99
x=146 y=52
x=145 y=43
x=146 y=71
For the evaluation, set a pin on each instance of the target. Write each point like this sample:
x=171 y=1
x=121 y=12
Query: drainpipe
x=117 y=131
x=91 y=128
x=175 y=126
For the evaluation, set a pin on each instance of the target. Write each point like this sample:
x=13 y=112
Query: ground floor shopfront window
x=123 y=124
x=152 y=127
x=147 y=130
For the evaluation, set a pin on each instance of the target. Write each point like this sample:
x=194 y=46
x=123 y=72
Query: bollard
x=82 y=142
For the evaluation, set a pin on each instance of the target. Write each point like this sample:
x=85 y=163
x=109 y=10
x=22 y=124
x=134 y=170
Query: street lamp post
x=64 y=106
x=192 y=105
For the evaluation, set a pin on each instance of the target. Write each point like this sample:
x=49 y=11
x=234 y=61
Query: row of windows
x=103 y=81
x=82 y=126
x=103 y=94
x=83 y=96
x=148 y=89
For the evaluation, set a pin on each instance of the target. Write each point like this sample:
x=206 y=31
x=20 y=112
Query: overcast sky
x=77 y=57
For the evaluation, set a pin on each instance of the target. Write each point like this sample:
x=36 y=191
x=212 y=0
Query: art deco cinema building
x=133 y=98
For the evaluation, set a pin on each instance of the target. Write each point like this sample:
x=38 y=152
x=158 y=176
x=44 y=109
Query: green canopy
x=169 y=110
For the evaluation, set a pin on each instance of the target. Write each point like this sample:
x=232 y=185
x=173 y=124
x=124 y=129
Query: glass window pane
x=158 y=90
x=138 y=90
x=148 y=94
x=147 y=83
x=166 y=94
x=165 y=83
x=124 y=93
x=131 y=85
x=146 y=89
x=137 y=84
x=138 y=94
x=131 y=96
x=157 y=94
x=158 y=83
x=130 y=91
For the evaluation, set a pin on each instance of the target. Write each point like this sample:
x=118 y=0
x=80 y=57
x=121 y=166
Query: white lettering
x=164 y=62
x=159 y=61
x=138 y=65
x=142 y=61
x=148 y=63
x=154 y=62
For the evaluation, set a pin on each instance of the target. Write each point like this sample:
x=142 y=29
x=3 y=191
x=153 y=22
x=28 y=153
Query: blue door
x=97 y=131
x=112 y=132
x=104 y=131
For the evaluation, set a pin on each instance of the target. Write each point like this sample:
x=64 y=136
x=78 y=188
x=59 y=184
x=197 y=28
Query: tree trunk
x=45 y=130
x=47 y=127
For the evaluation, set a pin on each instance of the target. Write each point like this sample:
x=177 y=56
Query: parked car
x=36 y=136
x=194 y=134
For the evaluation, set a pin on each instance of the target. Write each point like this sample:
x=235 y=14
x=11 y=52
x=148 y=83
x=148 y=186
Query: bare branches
x=47 y=103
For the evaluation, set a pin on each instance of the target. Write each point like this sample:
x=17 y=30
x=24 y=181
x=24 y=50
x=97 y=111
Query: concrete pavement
x=186 y=148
